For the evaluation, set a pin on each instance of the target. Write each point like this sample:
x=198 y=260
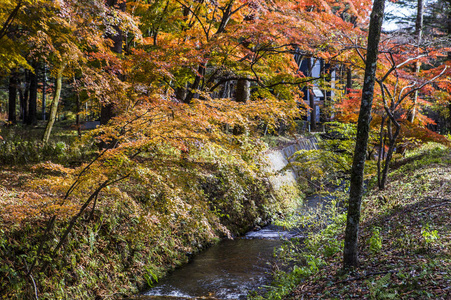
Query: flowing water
x=228 y=270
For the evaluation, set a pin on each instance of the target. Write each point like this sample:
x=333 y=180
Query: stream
x=230 y=269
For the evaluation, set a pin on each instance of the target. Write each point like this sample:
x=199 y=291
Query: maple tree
x=396 y=83
x=401 y=91
x=167 y=81
x=182 y=87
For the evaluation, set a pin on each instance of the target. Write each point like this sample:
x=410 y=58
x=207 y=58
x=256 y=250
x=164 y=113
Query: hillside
x=405 y=240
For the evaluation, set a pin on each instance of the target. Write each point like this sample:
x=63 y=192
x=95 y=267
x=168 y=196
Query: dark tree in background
x=12 y=90
x=32 y=118
x=107 y=110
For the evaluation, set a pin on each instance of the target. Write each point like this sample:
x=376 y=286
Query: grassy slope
x=405 y=239
x=133 y=236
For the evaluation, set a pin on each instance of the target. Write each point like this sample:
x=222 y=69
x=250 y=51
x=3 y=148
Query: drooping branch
x=75 y=218
x=10 y=19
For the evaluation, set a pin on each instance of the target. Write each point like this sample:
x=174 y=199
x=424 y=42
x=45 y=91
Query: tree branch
x=447 y=201
x=424 y=84
x=77 y=216
x=196 y=16
x=10 y=19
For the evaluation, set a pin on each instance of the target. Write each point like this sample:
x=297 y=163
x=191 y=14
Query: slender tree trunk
x=24 y=95
x=32 y=118
x=196 y=84
x=313 y=111
x=21 y=100
x=448 y=118
x=77 y=118
x=348 y=80
x=119 y=36
x=180 y=93
x=448 y=27
x=107 y=110
x=418 y=35
x=381 y=153
x=12 y=89
x=55 y=102
x=350 y=253
x=391 y=150
x=44 y=87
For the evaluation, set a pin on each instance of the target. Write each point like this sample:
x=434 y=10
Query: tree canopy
x=181 y=85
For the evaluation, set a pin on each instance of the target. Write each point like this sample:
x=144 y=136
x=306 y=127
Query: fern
x=379 y=288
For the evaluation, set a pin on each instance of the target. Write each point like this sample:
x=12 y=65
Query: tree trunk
x=107 y=110
x=350 y=253
x=348 y=80
x=12 y=89
x=313 y=111
x=180 y=93
x=448 y=31
x=418 y=35
x=54 y=107
x=243 y=92
x=119 y=36
x=77 y=118
x=448 y=118
x=24 y=95
x=195 y=86
x=32 y=118
x=44 y=87
x=106 y=113
x=391 y=150
x=381 y=152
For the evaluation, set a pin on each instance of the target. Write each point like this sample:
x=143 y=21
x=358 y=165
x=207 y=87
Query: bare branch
x=423 y=84
x=395 y=67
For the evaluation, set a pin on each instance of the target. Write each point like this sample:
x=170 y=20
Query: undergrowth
x=19 y=146
x=135 y=231
x=404 y=241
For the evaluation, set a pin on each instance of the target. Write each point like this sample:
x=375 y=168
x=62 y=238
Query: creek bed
x=230 y=269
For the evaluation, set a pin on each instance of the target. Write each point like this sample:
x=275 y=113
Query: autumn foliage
x=179 y=153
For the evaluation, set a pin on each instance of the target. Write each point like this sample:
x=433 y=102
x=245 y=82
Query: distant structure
x=315 y=96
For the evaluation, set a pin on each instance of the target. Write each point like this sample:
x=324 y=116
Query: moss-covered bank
x=133 y=233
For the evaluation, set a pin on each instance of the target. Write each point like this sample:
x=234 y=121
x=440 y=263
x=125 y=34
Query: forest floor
x=405 y=239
